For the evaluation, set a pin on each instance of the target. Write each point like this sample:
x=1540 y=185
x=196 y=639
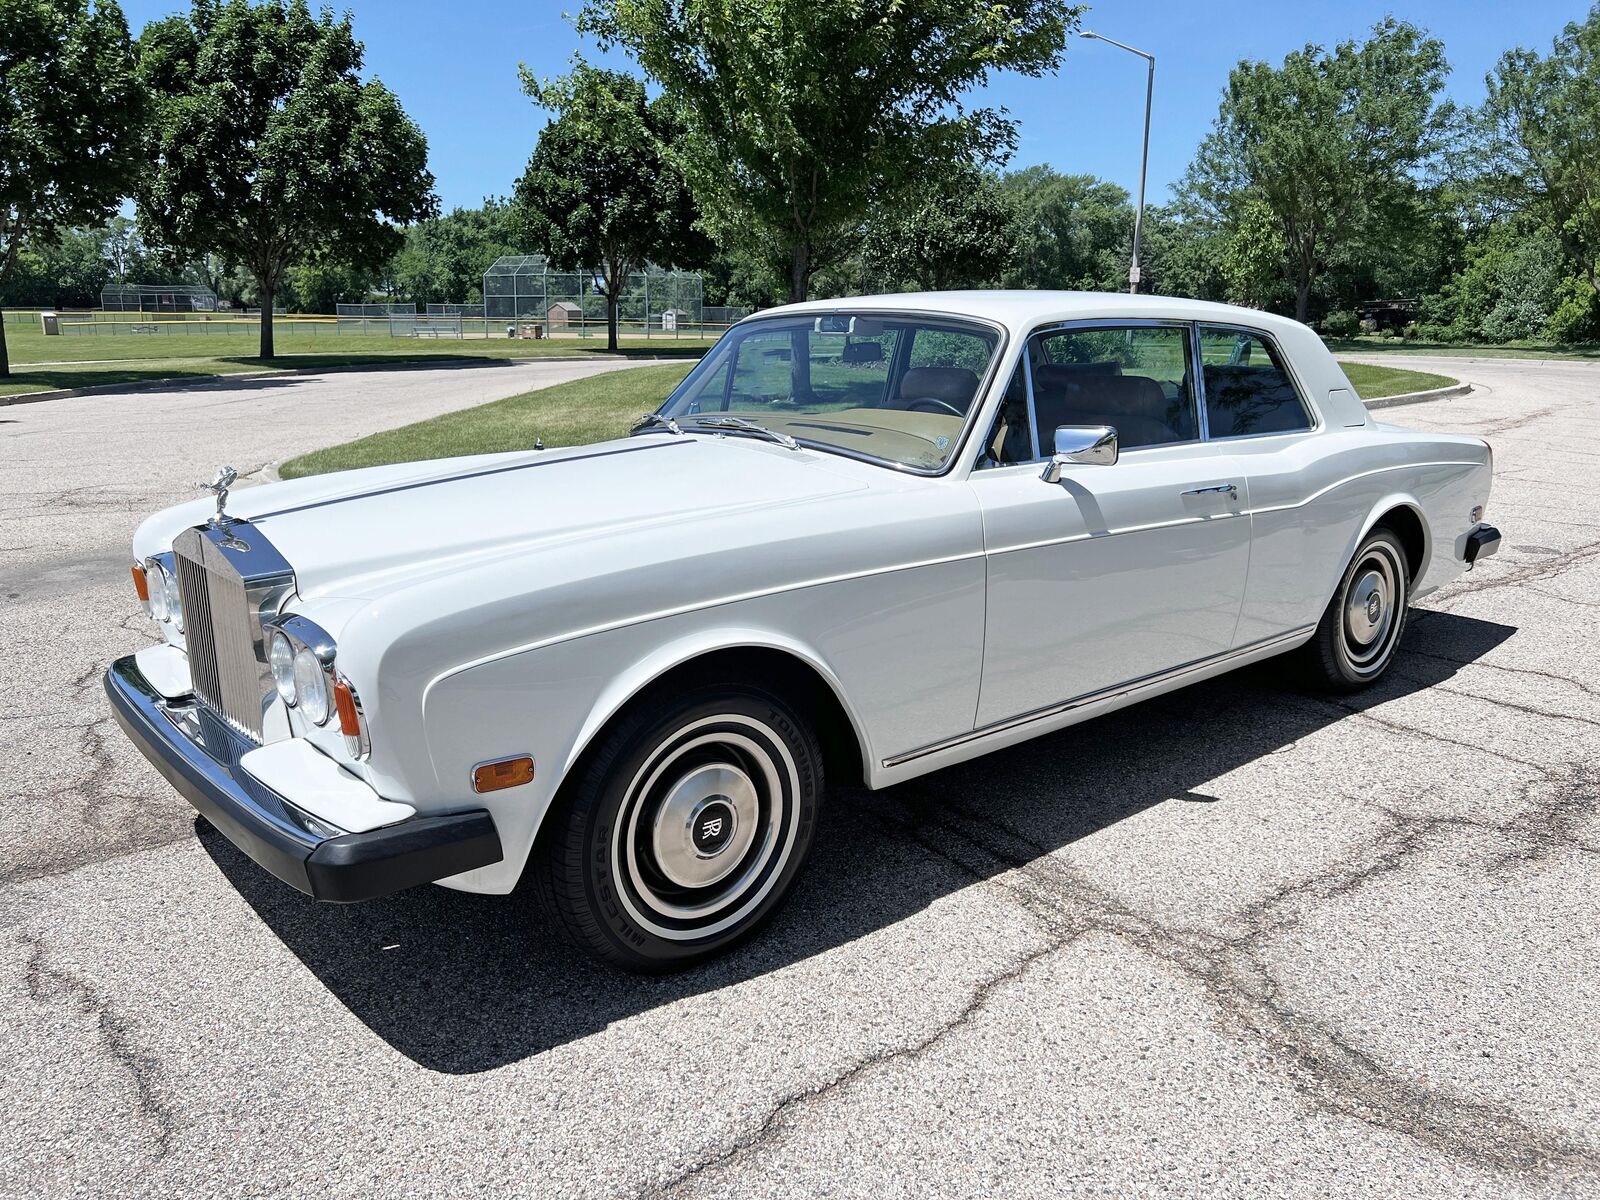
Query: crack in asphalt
x=1542 y=569
x=47 y=983
x=1327 y=1069
x=1554 y=676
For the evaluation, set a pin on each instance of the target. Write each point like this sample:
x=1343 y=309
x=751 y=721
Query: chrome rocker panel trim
x=343 y=867
x=1161 y=679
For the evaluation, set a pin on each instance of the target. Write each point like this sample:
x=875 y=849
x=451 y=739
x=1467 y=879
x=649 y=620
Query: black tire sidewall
x=599 y=800
x=1331 y=652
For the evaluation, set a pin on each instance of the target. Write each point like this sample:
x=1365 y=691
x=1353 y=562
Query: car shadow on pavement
x=462 y=983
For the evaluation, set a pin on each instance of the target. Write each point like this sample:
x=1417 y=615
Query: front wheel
x=1361 y=627
x=685 y=828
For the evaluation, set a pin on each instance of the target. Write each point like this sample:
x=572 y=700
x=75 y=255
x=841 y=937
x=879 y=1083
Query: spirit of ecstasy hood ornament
x=220 y=520
x=219 y=487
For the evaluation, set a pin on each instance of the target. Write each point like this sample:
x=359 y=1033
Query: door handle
x=1222 y=488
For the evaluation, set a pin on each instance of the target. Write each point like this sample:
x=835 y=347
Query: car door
x=1116 y=572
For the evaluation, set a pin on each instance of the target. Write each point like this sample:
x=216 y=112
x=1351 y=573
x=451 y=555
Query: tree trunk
x=611 y=319
x=266 y=321
x=799 y=272
x=1302 y=298
x=5 y=356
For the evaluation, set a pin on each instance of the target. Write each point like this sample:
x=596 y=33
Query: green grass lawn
x=568 y=414
x=1373 y=383
x=1378 y=345
x=41 y=364
x=592 y=410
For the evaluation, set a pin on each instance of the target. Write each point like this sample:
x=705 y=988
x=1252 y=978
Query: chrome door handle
x=1228 y=488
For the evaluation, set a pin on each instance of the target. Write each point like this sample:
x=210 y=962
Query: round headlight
x=281 y=659
x=174 y=600
x=156 y=581
x=311 y=687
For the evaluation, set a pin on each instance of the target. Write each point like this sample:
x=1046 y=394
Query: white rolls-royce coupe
x=864 y=538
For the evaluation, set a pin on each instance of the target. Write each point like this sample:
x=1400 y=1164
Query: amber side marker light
x=508 y=772
x=344 y=701
x=141 y=584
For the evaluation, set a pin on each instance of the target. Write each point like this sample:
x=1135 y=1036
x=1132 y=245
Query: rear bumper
x=1481 y=543
x=305 y=853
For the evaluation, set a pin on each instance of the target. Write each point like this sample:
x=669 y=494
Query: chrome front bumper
x=304 y=852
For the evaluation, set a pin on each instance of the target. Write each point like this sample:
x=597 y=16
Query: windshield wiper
x=650 y=420
x=744 y=426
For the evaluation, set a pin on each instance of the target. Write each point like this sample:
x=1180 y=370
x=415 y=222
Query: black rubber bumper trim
x=344 y=868
x=1481 y=543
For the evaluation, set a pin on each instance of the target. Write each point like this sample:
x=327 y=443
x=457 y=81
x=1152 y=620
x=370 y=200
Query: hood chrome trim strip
x=487 y=471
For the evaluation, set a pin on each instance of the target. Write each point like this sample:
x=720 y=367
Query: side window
x=1137 y=379
x=1010 y=439
x=1247 y=389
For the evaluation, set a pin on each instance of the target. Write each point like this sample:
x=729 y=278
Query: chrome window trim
x=1313 y=413
x=980 y=396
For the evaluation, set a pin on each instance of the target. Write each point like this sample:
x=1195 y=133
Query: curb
x=146 y=385
x=1444 y=393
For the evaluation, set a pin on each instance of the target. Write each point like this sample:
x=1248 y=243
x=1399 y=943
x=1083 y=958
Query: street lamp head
x=1088 y=34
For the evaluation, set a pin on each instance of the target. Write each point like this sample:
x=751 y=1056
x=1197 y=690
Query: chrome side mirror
x=1089 y=445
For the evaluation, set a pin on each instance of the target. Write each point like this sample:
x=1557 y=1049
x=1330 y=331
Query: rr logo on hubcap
x=713 y=828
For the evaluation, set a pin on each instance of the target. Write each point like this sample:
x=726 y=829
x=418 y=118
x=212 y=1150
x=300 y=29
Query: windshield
x=894 y=387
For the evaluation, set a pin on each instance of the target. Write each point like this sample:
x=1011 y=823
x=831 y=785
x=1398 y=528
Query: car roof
x=1022 y=310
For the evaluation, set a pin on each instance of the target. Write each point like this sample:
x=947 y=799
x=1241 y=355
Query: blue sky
x=454 y=67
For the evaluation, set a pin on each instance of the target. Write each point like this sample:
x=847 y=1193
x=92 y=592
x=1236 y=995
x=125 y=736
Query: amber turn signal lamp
x=141 y=584
x=344 y=702
x=508 y=772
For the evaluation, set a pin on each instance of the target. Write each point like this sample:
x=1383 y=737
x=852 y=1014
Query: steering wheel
x=933 y=404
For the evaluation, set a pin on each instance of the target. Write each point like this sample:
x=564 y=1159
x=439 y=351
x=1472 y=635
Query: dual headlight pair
x=157 y=585
x=301 y=679
x=300 y=656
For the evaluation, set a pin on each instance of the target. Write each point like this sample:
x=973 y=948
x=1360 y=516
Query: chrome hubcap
x=705 y=824
x=1367 y=607
x=1373 y=606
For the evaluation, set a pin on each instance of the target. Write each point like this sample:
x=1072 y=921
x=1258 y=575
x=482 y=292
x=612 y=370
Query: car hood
x=361 y=534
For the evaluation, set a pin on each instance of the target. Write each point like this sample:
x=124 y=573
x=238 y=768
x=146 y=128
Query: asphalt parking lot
x=1239 y=940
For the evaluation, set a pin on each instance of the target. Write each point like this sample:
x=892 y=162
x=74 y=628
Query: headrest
x=954 y=385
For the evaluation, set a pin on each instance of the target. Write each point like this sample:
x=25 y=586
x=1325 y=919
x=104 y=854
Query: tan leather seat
x=954 y=386
x=1134 y=405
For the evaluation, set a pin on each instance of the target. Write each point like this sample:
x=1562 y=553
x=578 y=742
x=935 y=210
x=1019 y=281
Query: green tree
x=1074 y=231
x=69 y=114
x=963 y=234
x=1541 y=137
x=1332 y=144
x=599 y=192
x=445 y=258
x=804 y=118
x=268 y=148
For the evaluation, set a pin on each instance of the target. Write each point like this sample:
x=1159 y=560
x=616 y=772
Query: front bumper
x=303 y=852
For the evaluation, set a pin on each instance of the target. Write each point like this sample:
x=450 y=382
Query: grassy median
x=42 y=364
x=592 y=410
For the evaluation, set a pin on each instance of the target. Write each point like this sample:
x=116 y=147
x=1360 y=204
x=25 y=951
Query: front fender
x=683 y=650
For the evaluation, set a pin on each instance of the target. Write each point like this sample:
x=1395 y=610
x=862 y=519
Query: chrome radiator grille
x=221 y=620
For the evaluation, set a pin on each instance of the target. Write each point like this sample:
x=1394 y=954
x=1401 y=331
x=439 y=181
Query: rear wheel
x=685 y=829
x=1361 y=627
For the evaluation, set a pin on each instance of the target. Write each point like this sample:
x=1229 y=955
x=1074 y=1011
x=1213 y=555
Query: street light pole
x=1144 y=159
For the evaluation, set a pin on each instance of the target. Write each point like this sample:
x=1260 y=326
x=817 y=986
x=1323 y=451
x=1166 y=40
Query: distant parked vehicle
x=865 y=538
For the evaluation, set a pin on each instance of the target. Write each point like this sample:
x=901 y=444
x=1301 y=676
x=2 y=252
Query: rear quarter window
x=1248 y=389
